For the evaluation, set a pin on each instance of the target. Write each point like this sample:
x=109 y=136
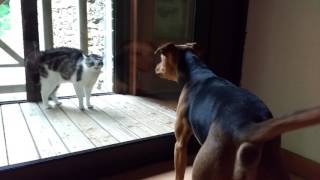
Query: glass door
x=149 y=23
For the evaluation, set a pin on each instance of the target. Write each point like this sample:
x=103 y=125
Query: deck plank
x=116 y=129
x=161 y=115
x=157 y=104
x=149 y=119
x=96 y=134
x=3 y=152
x=28 y=131
x=48 y=142
x=69 y=133
x=20 y=146
x=120 y=117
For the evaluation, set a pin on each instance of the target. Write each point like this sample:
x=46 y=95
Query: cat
x=64 y=64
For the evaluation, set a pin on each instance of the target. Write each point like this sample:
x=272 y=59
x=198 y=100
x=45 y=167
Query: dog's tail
x=272 y=128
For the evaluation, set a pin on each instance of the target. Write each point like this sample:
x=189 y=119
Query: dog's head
x=170 y=55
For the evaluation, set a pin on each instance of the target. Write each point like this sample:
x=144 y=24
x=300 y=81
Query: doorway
x=86 y=25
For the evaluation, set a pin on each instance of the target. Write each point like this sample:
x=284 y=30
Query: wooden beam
x=11 y=65
x=31 y=47
x=11 y=52
x=12 y=88
x=83 y=22
x=47 y=24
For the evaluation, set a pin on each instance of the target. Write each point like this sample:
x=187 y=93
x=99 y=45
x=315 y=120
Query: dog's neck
x=191 y=69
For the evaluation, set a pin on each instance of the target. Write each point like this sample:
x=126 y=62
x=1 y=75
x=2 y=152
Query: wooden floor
x=30 y=132
x=161 y=171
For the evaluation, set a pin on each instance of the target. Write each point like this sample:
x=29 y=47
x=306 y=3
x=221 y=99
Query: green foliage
x=4 y=17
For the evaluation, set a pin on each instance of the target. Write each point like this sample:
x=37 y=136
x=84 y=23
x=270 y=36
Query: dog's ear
x=194 y=47
x=166 y=48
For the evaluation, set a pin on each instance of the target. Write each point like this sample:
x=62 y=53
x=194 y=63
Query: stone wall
x=66 y=24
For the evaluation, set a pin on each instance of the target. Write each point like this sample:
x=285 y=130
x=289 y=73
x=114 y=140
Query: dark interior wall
x=220 y=27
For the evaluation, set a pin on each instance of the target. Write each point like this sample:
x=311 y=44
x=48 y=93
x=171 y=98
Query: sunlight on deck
x=30 y=132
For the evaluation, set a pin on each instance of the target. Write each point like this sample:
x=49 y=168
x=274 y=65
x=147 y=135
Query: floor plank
x=94 y=132
x=149 y=119
x=119 y=116
x=20 y=146
x=69 y=133
x=3 y=152
x=47 y=141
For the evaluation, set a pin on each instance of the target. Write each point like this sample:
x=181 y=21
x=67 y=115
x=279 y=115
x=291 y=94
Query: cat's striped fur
x=65 y=64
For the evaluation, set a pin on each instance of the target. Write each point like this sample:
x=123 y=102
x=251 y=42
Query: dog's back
x=217 y=101
x=214 y=99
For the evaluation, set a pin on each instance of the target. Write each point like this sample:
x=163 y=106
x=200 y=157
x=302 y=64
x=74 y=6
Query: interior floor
x=161 y=171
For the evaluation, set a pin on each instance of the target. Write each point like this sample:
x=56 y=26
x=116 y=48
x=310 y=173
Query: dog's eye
x=100 y=63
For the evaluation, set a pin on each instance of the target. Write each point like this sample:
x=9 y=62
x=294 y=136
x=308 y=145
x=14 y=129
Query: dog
x=240 y=139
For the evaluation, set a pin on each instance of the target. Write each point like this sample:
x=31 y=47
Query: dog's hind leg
x=247 y=160
x=215 y=158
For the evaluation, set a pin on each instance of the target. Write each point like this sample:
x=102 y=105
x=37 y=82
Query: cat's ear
x=96 y=57
x=85 y=57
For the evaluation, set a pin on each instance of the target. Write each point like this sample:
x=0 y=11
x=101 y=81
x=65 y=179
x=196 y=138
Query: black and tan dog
x=240 y=139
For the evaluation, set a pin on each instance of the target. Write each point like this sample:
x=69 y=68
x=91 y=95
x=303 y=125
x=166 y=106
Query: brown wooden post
x=31 y=47
x=121 y=35
x=47 y=24
x=83 y=25
x=133 y=48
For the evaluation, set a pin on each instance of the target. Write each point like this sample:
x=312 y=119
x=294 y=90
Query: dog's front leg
x=183 y=134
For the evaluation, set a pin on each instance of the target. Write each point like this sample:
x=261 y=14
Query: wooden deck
x=30 y=132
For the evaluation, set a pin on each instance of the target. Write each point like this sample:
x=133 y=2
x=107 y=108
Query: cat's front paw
x=47 y=106
x=81 y=108
x=90 y=107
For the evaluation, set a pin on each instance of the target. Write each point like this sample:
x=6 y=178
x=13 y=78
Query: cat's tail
x=267 y=130
x=33 y=58
x=33 y=65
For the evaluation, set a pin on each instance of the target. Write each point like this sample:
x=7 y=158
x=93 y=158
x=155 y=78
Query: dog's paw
x=90 y=107
x=58 y=103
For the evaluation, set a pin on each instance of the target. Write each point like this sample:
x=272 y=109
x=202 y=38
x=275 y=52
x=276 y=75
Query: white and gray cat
x=65 y=64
